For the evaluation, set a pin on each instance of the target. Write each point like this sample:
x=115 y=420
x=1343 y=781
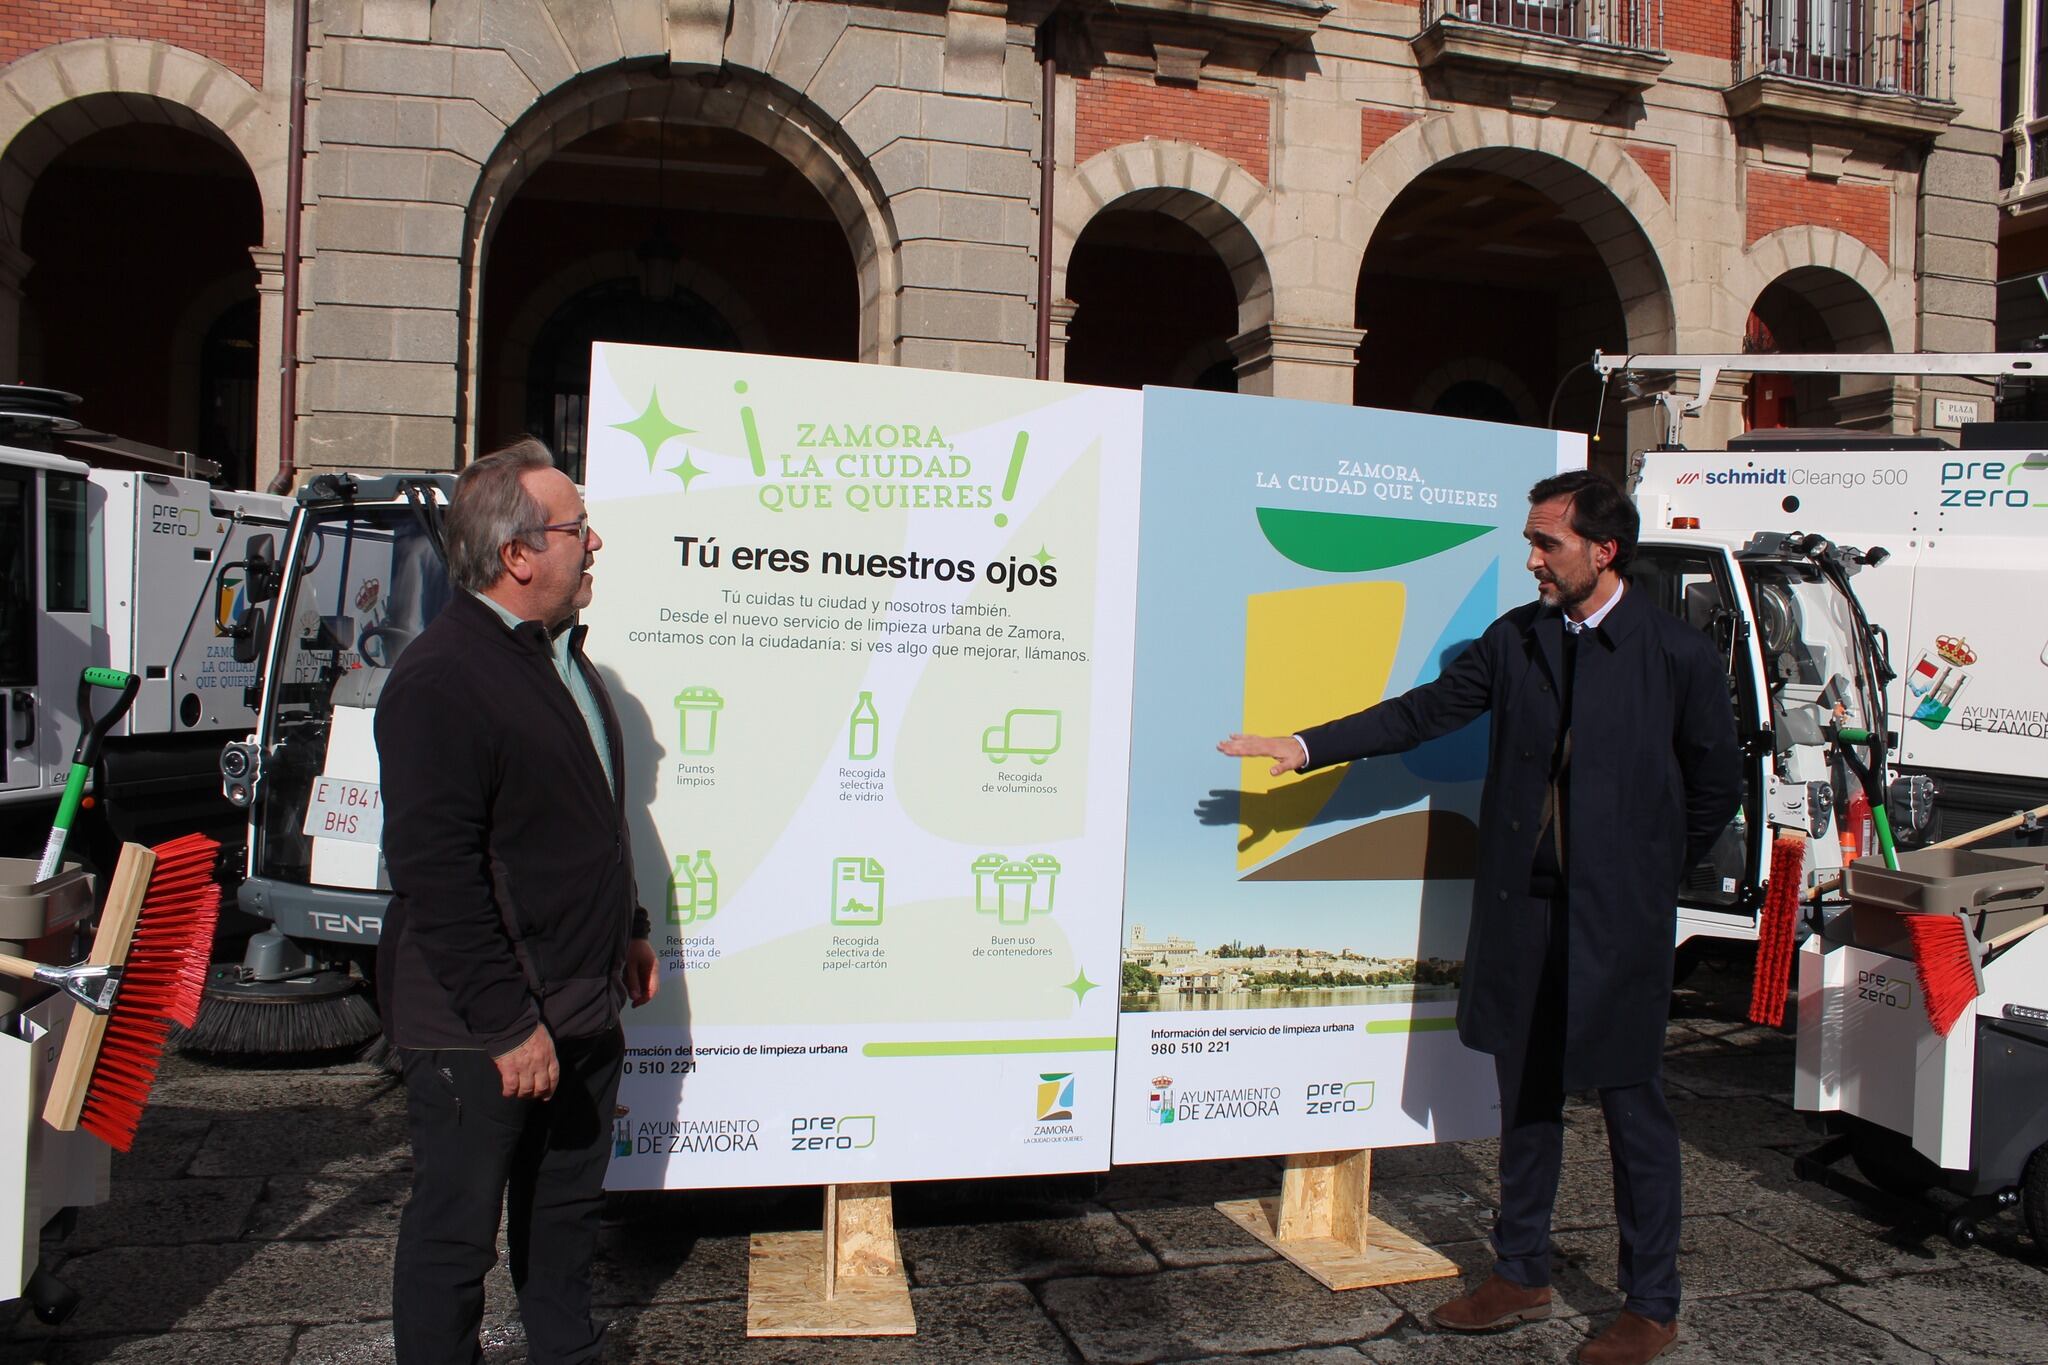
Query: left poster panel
x=870 y=632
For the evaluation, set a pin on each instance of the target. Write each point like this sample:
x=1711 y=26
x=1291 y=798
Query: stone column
x=1063 y=311
x=271 y=350
x=1298 y=360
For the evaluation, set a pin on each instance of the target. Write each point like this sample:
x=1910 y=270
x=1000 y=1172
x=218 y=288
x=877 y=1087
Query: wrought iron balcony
x=1635 y=24
x=1567 y=57
x=1882 y=47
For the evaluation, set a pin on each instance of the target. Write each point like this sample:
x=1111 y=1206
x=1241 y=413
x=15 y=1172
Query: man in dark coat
x=1613 y=767
x=513 y=935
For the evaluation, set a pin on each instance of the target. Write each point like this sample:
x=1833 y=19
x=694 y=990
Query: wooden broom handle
x=18 y=966
x=130 y=883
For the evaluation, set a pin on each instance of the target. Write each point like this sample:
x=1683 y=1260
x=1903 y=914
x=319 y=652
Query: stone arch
x=1866 y=305
x=524 y=327
x=745 y=102
x=1440 y=380
x=67 y=92
x=1592 y=181
x=1211 y=194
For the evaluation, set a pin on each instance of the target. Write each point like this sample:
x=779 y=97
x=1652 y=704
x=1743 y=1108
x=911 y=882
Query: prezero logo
x=1880 y=989
x=1339 y=1097
x=821 y=1133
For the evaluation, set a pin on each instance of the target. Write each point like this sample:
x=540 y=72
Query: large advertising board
x=870 y=632
x=1293 y=945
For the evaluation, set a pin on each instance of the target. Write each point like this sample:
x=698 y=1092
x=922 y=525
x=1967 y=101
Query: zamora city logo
x=850 y=1133
x=1055 y=1096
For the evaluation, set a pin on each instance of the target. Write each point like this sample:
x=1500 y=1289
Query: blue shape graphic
x=1459 y=757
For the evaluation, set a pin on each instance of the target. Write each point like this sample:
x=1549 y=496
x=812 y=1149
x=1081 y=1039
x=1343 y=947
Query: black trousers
x=1642 y=1140
x=539 y=1163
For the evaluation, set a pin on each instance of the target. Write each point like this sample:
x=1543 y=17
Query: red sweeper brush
x=1775 y=930
x=146 y=971
x=1946 y=961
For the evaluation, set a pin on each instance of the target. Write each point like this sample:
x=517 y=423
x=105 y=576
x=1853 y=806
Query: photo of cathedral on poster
x=1175 y=973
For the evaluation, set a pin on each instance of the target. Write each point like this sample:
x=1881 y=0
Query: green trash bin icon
x=1047 y=870
x=987 y=899
x=697 y=709
x=1013 y=892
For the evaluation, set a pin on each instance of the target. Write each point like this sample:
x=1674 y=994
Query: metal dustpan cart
x=1917 y=1112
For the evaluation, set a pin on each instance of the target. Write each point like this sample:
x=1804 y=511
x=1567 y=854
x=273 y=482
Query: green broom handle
x=1880 y=820
x=85 y=757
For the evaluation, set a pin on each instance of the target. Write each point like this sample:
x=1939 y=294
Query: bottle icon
x=682 y=892
x=704 y=884
x=863 y=730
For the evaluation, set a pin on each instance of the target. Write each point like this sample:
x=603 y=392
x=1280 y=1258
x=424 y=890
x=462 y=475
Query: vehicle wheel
x=2034 y=1198
x=1962 y=1233
x=1887 y=1160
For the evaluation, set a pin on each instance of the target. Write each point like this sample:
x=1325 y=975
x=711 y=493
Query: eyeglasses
x=580 y=528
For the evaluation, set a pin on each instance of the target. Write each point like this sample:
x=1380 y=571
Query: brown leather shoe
x=1497 y=1303
x=1630 y=1339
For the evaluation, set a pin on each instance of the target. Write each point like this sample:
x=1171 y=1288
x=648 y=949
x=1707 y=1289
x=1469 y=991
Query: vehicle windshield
x=1808 y=639
x=364 y=582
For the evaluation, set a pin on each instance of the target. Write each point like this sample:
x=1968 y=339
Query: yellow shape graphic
x=1311 y=654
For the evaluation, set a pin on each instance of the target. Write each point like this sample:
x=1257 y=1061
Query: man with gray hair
x=514 y=934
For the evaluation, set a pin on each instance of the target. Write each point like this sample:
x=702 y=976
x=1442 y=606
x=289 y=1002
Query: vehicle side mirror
x=260 y=584
x=250 y=633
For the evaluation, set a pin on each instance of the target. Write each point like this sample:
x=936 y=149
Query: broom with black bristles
x=146 y=971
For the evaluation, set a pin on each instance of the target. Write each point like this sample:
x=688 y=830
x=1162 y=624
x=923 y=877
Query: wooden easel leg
x=1322 y=1223
x=844 y=1281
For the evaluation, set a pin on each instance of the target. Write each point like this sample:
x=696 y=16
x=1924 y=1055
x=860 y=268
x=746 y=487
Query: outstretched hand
x=1286 y=751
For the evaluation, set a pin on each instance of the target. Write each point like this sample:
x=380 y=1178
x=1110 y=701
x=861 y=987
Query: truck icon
x=1029 y=731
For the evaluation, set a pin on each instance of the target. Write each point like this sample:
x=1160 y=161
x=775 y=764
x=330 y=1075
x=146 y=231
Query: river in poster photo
x=1292 y=945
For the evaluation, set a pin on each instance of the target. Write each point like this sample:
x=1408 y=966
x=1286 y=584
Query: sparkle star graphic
x=1043 y=556
x=652 y=427
x=685 y=471
x=1080 y=986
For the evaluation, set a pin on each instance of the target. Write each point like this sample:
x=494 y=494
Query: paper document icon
x=856 y=891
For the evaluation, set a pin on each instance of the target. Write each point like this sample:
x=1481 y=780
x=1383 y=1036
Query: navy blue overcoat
x=1655 y=775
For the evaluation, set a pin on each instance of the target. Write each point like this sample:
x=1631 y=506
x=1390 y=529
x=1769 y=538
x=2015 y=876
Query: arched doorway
x=1153 y=304
x=138 y=238
x=660 y=232
x=1486 y=286
x=1812 y=309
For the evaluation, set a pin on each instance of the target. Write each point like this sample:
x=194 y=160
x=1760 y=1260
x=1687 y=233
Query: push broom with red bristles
x=1775 y=930
x=146 y=971
x=1945 y=959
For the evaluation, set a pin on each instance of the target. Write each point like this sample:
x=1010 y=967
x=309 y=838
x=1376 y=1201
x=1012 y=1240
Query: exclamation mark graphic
x=1016 y=470
x=754 y=436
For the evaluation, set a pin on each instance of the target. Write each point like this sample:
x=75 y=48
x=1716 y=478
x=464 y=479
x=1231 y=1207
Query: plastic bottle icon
x=863 y=730
x=704 y=882
x=682 y=892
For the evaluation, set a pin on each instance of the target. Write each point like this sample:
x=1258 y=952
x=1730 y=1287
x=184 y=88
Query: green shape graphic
x=1080 y=986
x=652 y=427
x=857 y=885
x=1440 y=1023
x=685 y=471
x=1339 y=542
x=1032 y=731
x=987 y=1047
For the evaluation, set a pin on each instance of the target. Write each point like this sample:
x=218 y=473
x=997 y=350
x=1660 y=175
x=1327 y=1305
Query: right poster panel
x=1292 y=946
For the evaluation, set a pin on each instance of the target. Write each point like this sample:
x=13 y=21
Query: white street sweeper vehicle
x=1946 y=603
x=361 y=573
x=117 y=569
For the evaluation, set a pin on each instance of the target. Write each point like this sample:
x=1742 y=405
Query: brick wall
x=1776 y=200
x=1376 y=126
x=229 y=31
x=1705 y=28
x=1656 y=163
x=1109 y=113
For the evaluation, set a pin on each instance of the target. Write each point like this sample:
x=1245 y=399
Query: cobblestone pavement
x=254 y=1223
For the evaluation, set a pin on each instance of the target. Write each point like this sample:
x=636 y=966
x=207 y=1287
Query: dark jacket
x=1655 y=774
x=513 y=886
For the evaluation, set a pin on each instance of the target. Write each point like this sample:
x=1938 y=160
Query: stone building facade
x=1443 y=205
